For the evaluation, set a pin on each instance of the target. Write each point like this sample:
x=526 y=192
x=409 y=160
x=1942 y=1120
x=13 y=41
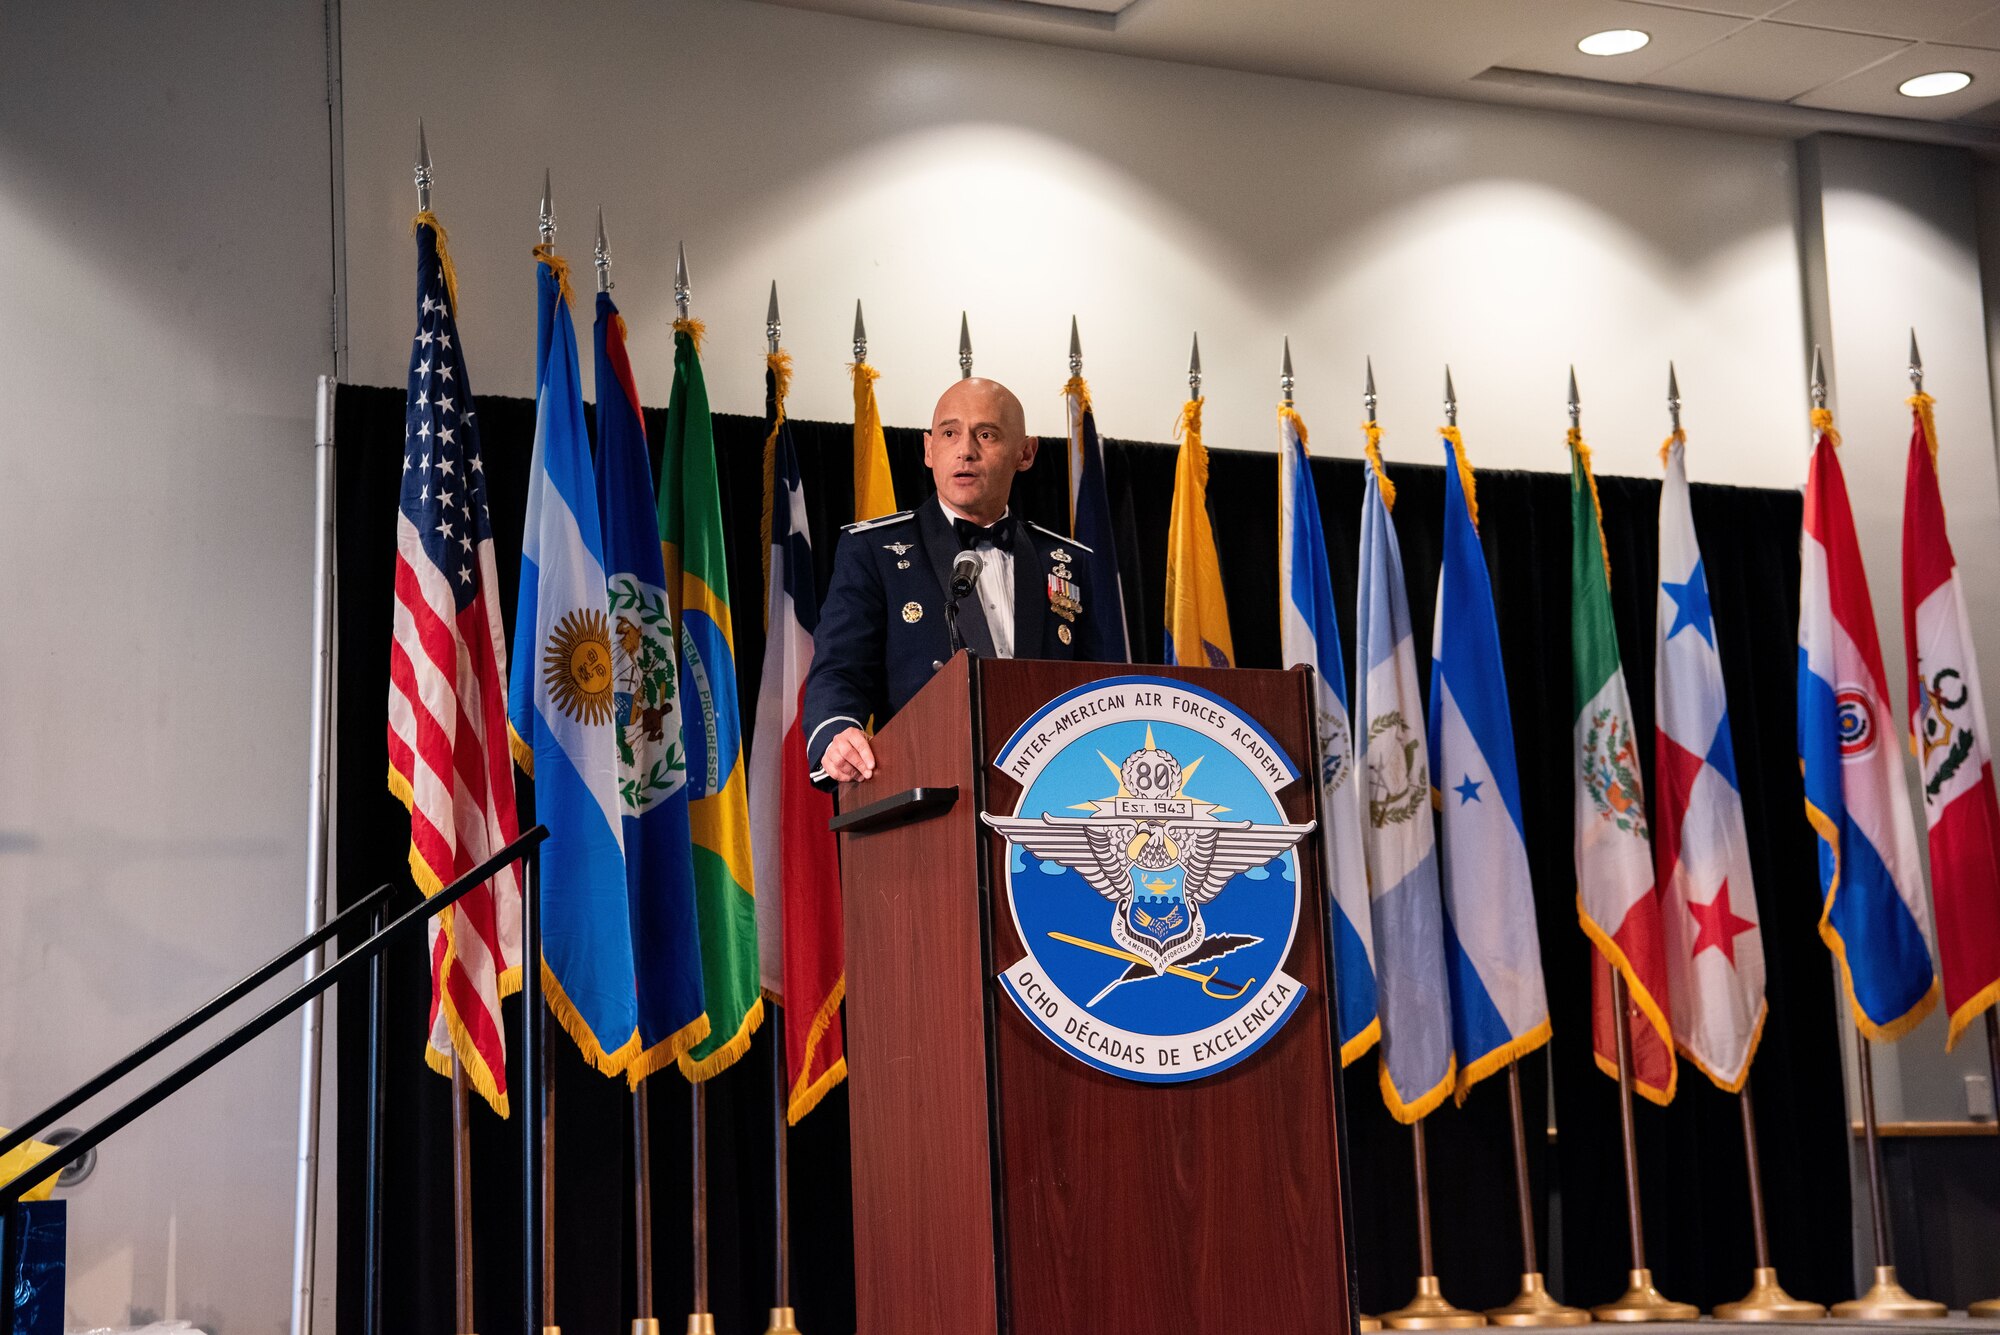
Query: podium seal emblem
x=1152 y=878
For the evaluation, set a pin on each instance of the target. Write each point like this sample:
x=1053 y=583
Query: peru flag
x=802 y=948
x=1715 y=951
x=1948 y=734
x=1873 y=916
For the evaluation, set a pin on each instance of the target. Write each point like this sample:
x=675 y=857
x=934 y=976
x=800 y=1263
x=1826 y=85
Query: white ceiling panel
x=1920 y=20
x=1982 y=31
x=1775 y=62
x=1873 y=91
x=1745 y=9
x=1676 y=33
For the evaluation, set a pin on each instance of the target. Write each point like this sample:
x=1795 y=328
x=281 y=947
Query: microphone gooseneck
x=964 y=574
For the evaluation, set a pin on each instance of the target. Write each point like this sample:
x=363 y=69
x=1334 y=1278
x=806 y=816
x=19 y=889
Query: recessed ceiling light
x=1613 y=42
x=1934 y=85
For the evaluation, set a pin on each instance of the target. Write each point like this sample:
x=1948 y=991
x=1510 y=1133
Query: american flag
x=448 y=755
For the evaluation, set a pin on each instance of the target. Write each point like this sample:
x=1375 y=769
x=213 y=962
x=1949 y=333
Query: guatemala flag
x=1311 y=637
x=1499 y=1011
x=647 y=721
x=560 y=704
x=1874 y=917
x=1418 y=1067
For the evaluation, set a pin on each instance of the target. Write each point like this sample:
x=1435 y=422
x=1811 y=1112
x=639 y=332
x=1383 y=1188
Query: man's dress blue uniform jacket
x=882 y=628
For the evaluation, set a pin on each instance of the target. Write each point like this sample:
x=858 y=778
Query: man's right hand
x=848 y=757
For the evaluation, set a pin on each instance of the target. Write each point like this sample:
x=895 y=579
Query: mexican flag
x=1615 y=900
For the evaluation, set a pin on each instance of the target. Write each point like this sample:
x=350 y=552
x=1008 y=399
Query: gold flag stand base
x=784 y=1321
x=1642 y=1302
x=1887 y=1300
x=1368 y=1324
x=1985 y=1307
x=701 y=1323
x=1534 y=1306
x=1429 y=1310
x=1768 y=1301
x=645 y=1325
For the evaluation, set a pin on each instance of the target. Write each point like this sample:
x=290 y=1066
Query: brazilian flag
x=718 y=810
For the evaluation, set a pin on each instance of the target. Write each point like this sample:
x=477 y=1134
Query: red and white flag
x=1948 y=734
x=1701 y=853
x=801 y=945
x=448 y=757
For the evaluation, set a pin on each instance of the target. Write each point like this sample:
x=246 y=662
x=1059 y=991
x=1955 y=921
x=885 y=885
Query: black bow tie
x=970 y=535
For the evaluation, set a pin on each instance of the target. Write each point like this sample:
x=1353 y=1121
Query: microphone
x=964 y=573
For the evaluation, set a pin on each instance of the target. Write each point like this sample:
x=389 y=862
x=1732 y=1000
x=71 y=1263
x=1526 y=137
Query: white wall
x=164 y=223
x=925 y=172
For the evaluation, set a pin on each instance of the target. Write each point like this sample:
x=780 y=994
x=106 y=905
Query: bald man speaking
x=882 y=631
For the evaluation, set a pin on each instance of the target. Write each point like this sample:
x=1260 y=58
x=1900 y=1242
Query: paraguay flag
x=646 y=720
x=801 y=943
x=1701 y=853
x=1948 y=731
x=561 y=703
x=1311 y=637
x=1499 y=1011
x=1090 y=507
x=1874 y=918
x=696 y=562
x=1413 y=994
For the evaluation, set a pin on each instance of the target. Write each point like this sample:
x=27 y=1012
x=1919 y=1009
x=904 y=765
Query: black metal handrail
x=14 y=1188
x=188 y=1023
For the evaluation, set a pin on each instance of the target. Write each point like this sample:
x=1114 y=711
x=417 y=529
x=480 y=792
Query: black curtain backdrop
x=1691 y=1154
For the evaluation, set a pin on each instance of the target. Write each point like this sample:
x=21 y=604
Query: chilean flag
x=1874 y=918
x=1948 y=733
x=802 y=950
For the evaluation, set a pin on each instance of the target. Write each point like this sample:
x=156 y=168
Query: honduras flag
x=1499 y=1011
x=1874 y=917
x=560 y=707
x=1310 y=636
x=646 y=721
x=1414 y=997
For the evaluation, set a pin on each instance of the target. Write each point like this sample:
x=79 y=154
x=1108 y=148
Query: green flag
x=718 y=810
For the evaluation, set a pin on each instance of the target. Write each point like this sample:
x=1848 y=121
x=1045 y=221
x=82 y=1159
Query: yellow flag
x=874 y=492
x=23 y=1157
x=1197 y=614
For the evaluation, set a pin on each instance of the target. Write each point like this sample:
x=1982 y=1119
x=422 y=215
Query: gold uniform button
x=913 y=612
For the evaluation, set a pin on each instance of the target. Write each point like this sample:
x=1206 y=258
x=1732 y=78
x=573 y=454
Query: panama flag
x=1499 y=1010
x=1714 y=948
x=1090 y=506
x=1873 y=917
x=646 y=720
x=1948 y=730
x=801 y=943
x=560 y=707
x=1311 y=637
x=1614 y=861
x=1413 y=994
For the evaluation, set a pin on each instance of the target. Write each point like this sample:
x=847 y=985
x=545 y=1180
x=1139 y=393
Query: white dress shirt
x=995 y=585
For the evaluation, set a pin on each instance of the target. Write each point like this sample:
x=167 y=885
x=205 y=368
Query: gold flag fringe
x=1373 y=449
x=1582 y=452
x=1923 y=404
x=1287 y=413
x=1822 y=420
x=1075 y=386
x=780 y=364
x=1471 y=487
x=1680 y=438
x=694 y=329
x=429 y=219
x=545 y=253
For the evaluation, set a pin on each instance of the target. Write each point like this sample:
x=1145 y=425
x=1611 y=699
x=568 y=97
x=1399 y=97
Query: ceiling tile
x=1747 y=9
x=1676 y=33
x=1873 y=90
x=1920 y=20
x=1775 y=62
x=1982 y=31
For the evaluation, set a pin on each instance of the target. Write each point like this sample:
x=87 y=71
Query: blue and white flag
x=1499 y=1010
x=1090 y=508
x=560 y=707
x=1310 y=636
x=1414 y=996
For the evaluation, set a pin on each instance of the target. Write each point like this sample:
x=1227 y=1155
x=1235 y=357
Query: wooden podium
x=1001 y=1186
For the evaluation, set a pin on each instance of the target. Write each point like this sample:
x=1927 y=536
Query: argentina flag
x=560 y=706
x=1499 y=1011
x=1412 y=993
x=1311 y=637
